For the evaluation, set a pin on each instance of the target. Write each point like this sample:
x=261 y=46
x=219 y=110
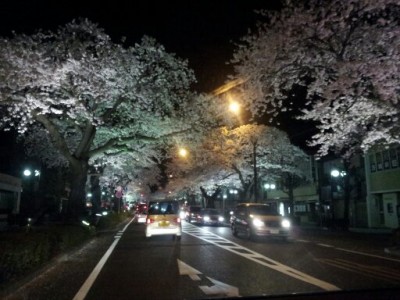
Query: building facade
x=382 y=174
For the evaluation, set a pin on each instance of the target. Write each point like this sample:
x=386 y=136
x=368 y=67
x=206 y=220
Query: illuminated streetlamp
x=234 y=107
x=32 y=186
x=268 y=186
x=337 y=184
x=183 y=152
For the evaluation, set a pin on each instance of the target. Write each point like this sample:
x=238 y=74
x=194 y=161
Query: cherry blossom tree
x=258 y=153
x=346 y=53
x=243 y=157
x=91 y=98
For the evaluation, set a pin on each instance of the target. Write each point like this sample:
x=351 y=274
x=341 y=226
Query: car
x=210 y=216
x=259 y=220
x=130 y=205
x=140 y=213
x=192 y=213
x=163 y=219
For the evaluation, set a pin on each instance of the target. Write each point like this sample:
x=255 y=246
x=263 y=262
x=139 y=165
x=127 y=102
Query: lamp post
x=267 y=187
x=33 y=185
x=335 y=176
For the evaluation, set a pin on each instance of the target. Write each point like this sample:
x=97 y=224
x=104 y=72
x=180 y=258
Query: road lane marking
x=217 y=289
x=96 y=271
x=220 y=288
x=367 y=254
x=325 y=245
x=185 y=269
x=378 y=272
x=256 y=257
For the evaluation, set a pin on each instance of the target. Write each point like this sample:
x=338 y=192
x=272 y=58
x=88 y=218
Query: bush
x=27 y=249
x=22 y=251
x=112 y=220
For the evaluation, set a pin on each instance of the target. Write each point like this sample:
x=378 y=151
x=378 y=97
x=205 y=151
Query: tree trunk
x=77 y=196
x=255 y=179
x=95 y=189
x=210 y=200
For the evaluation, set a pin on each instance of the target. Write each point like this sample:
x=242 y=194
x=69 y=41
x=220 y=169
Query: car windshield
x=210 y=212
x=263 y=210
x=163 y=208
x=195 y=209
x=262 y=135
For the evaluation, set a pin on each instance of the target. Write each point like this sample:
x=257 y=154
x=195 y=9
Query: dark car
x=140 y=213
x=259 y=220
x=210 y=216
x=192 y=213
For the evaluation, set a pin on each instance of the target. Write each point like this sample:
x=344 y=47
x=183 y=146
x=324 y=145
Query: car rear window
x=163 y=208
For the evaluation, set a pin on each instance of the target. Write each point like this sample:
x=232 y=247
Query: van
x=163 y=219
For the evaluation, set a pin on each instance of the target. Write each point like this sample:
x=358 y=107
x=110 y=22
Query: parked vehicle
x=163 y=219
x=259 y=220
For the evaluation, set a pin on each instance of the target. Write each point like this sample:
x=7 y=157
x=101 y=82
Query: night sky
x=201 y=31
x=204 y=32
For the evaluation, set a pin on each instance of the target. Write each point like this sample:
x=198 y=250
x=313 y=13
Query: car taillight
x=149 y=220
x=177 y=220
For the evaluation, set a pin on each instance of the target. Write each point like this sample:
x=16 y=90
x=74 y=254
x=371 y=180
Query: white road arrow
x=219 y=288
x=185 y=269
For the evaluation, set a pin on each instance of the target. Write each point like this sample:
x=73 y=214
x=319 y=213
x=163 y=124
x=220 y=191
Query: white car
x=140 y=213
x=259 y=220
x=163 y=219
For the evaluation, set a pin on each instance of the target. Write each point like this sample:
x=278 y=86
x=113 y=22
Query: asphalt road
x=209 y=262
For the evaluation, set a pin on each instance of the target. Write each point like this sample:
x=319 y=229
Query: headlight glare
x=285 y=223
x=258 y=223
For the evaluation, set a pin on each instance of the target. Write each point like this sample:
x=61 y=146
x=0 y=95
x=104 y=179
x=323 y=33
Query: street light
x=32 y=185
x=336 y=178
x=234 y=107
x=268 y=186
x=183 y=152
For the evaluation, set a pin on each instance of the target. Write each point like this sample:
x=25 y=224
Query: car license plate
x=274 y=231
x=163 y=223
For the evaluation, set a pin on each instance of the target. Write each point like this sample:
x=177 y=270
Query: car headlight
x=221 y=219
x=206 y=218
x=285 y=223
x=258 y=223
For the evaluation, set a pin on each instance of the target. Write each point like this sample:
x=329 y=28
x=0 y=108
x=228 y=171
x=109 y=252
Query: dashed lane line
x=254 y=256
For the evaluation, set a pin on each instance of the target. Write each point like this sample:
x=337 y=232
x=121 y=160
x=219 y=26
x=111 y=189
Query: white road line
x=258 y=258
x=326 y=245
x=367 y=254
x=92 y=277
